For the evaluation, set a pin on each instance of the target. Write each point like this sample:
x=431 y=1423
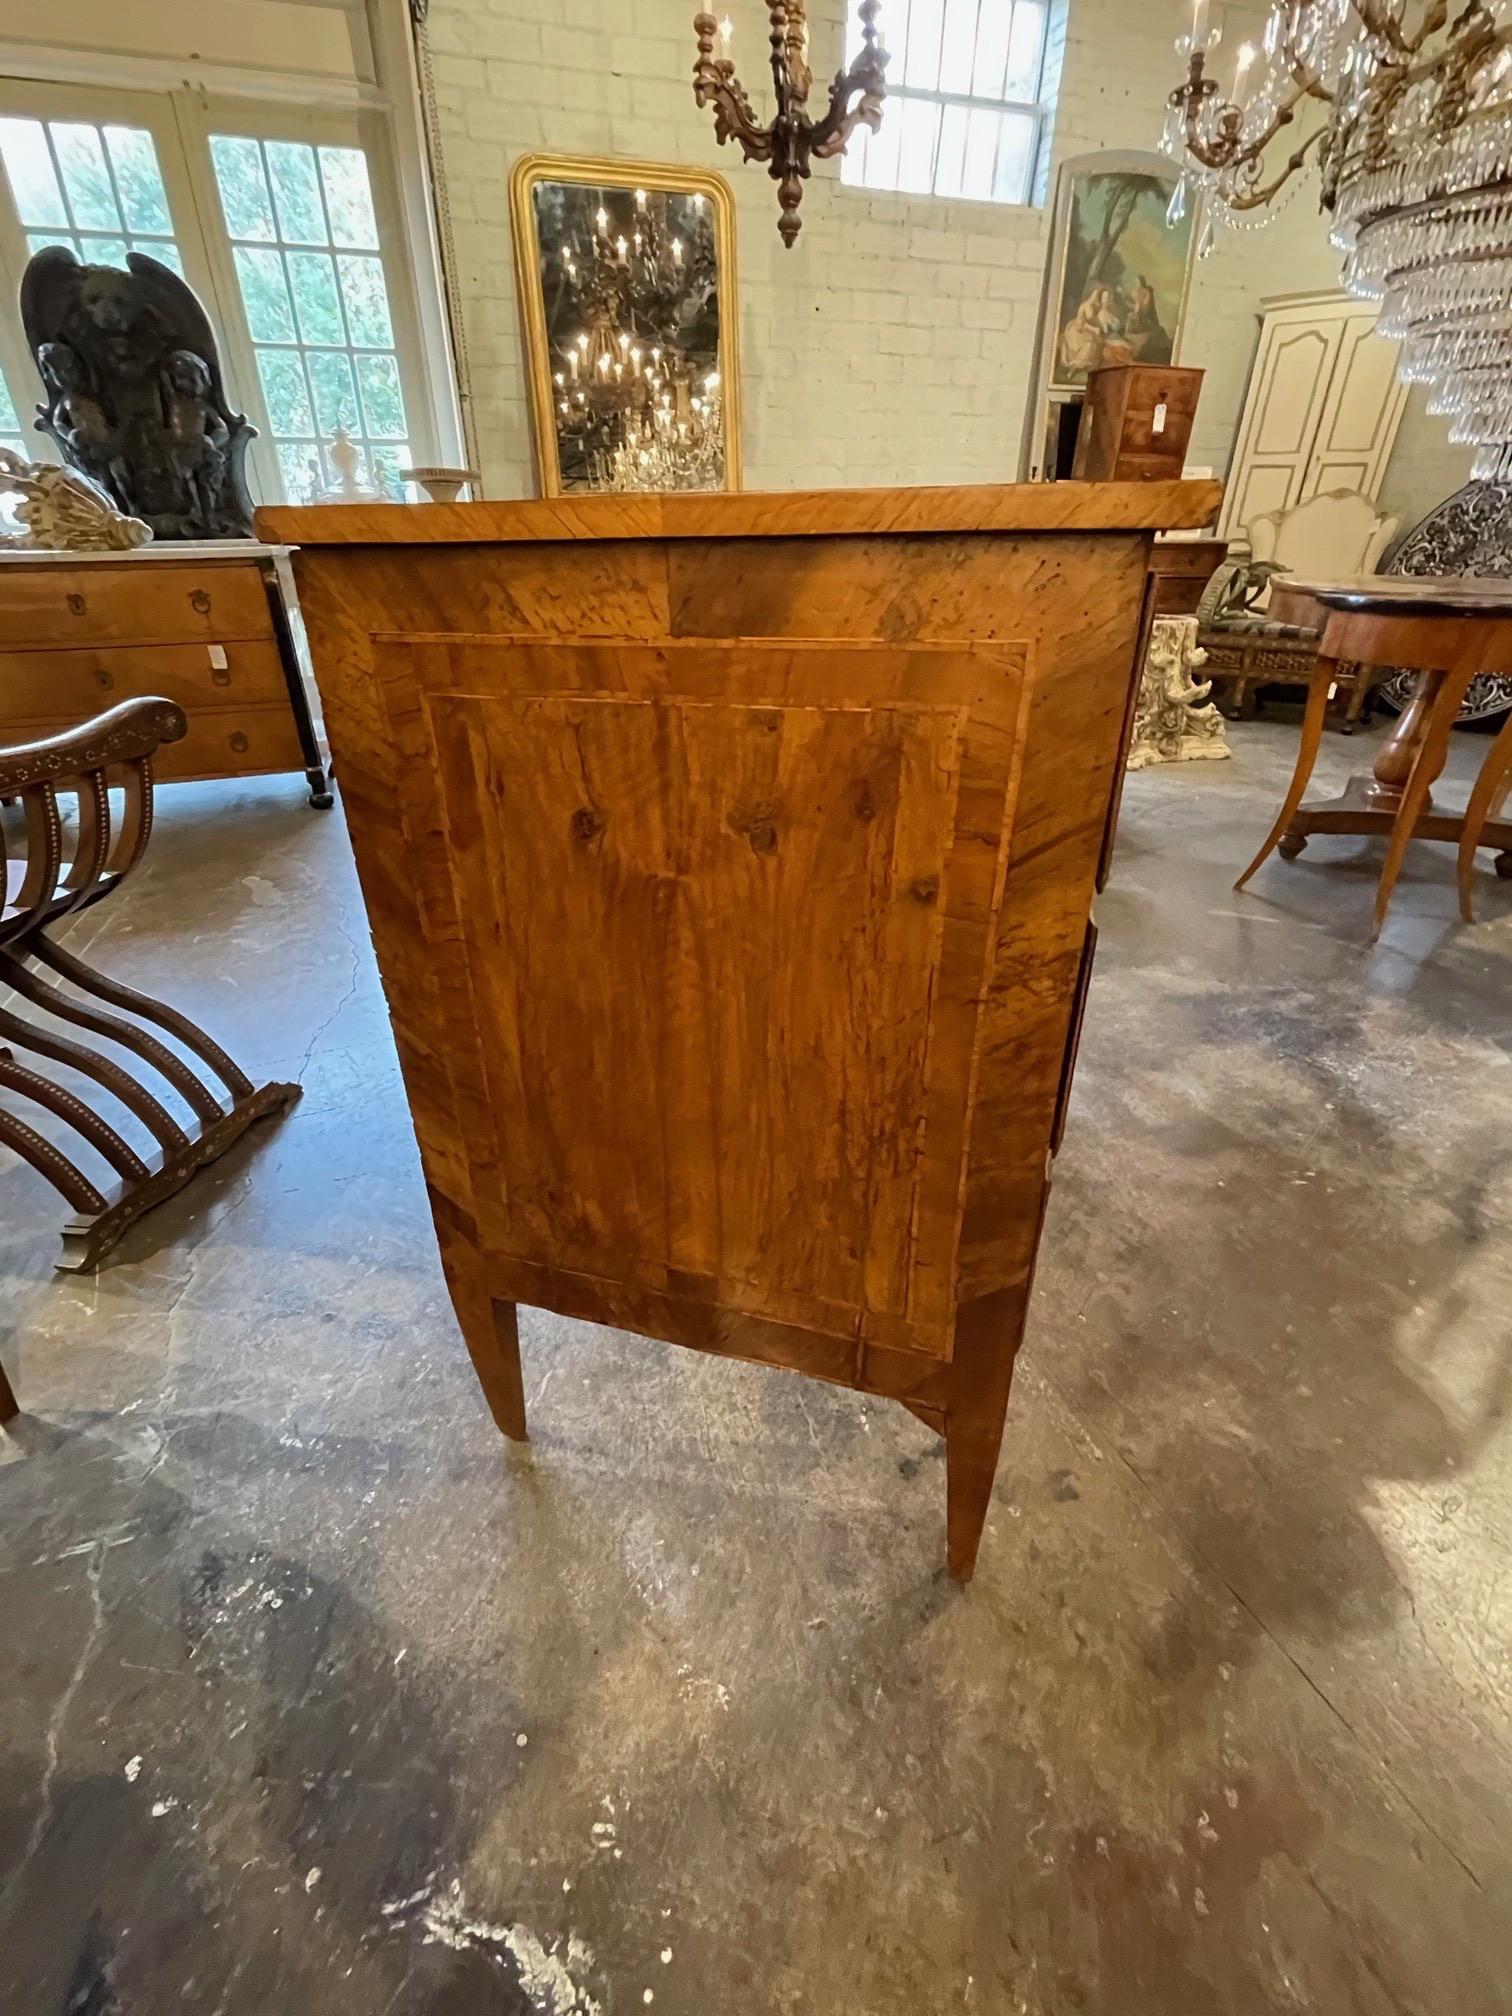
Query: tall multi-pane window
x=963 y=115
x=305 y=242
x=96 y=188
x=288 y=225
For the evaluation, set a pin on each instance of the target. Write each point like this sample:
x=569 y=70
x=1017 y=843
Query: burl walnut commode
x=729 y=861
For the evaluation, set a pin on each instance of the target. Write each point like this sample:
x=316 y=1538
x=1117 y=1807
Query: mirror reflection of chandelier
x=1414 y=147
x=645 y=415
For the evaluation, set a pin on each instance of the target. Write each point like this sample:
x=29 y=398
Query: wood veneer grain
x=729 y=863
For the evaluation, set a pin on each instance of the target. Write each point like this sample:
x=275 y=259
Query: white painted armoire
x=1321 y=411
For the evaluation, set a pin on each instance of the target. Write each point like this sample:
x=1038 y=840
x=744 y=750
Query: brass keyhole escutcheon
x=104 y=678
x=199 y=602
x=77 y=604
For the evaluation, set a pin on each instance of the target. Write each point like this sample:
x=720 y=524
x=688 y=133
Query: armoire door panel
x=1321 y=411
x=637 y=837
x=1346 y=473
x=1361 y=413
x=1265 y=486
x=1279 y=422
x=1296 y=371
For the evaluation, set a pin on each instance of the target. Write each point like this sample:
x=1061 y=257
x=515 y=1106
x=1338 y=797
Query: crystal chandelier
x=1413 y=142
x=675 y=444
x=791 y=140
x=641 y=412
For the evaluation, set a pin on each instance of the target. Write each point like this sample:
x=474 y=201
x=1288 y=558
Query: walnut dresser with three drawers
x=204 y=625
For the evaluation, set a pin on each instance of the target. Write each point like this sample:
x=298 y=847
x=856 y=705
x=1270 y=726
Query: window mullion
x=969 y=100
x=1002 y=90
x=52 y=154
x=238 y=358
x=115 y=188
x=362 y=431
x=330 y=252
x=997 y=156
x=315 y=422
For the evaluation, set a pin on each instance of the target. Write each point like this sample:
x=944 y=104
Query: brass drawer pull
x=199 y=602
x=240 y=743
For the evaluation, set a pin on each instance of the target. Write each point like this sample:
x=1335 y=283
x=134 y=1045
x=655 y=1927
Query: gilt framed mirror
x=626 y=276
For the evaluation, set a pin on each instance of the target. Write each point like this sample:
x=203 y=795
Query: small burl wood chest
x=1136 y=423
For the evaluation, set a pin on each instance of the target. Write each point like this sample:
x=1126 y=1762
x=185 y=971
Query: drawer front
x=141 y=604
x=231 y=743
x=221 y=742
x=1177 y=594
x=1164 y=467
x=1177 y=394
x=69 y=686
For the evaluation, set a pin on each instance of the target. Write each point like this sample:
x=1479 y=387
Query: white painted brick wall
x=895 y=342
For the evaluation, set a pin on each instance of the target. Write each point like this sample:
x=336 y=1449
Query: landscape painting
x=1122 y=271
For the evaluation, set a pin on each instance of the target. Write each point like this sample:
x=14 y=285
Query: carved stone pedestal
x=1174 y=722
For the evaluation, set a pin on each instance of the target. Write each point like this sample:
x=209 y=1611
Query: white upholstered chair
x=1337 y=533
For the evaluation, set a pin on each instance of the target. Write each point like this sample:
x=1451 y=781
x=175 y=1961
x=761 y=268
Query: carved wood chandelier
x=792 y=140
x=1414 y=149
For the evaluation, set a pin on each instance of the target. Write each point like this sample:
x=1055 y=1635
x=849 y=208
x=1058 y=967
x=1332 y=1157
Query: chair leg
x=9 y=1408
x=1492 y=773
x=1307 y=756
x=1447 y=693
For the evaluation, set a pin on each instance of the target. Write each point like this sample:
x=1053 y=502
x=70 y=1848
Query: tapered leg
x=492 y=1337
x=8 y=1407
x=491 y=1333
x=987 y=1337
x=1483 y=800
x=497 y=1365
x=1307 y=755
x=1448 y=690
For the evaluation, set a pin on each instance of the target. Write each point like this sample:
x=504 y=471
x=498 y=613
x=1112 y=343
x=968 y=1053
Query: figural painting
x=1124 y=265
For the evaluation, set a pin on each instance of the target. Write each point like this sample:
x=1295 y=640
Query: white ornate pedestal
x=1171 y=722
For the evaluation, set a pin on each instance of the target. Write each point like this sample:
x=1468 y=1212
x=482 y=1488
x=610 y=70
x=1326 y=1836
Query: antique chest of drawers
x=204 y=625
x=1136 y=422
x=729 y=860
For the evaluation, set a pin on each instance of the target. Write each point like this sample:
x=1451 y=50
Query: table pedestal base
x=1364 y=807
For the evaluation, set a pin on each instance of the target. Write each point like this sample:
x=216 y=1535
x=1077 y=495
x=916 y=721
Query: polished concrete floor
x=315 y=1698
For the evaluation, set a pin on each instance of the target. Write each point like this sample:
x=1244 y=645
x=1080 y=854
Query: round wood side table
x=1450 y=628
